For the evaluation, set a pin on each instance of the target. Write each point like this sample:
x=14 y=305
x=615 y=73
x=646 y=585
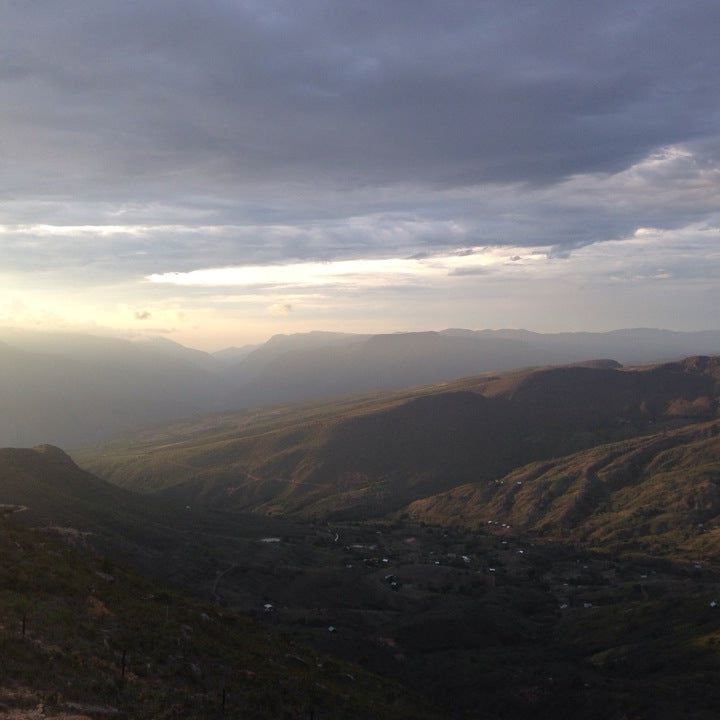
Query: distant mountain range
x=73 y=389
x=295 y=368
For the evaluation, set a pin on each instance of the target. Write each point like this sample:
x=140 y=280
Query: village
x=410 y=601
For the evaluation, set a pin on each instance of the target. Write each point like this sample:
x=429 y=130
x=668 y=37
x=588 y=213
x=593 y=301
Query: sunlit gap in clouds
x=366 y=272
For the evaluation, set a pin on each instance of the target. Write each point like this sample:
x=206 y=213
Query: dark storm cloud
x=310 y=113
x=203 y=95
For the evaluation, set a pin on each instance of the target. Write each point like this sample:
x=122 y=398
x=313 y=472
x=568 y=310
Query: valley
x=462 y=618
x=499 y=621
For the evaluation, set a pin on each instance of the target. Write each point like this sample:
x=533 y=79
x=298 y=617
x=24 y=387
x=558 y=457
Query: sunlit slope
x=661 y=490
x=375 y=455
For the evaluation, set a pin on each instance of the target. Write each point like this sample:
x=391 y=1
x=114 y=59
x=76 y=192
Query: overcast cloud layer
x=554 y=165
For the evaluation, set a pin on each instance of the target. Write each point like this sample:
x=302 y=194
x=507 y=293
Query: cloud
x=175 y=138
x=669 y=188
x=351 y=274
x=469 y=271
x=216 y=95
x=281 y=309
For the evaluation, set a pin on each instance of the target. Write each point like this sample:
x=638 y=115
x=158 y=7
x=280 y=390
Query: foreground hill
x=83 y=638
x=44 y=483
x=369 y=457
x=42 y=487
x=660 y=491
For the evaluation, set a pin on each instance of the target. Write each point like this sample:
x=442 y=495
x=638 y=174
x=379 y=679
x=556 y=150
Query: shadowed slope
x=48 y=484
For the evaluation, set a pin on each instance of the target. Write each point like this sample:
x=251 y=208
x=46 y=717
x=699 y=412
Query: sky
x=217 y=171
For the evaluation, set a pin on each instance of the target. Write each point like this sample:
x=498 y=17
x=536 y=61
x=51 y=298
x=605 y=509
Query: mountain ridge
x=373 y=456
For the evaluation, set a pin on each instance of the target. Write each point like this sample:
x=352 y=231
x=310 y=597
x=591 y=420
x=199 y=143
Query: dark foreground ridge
x=85 y=637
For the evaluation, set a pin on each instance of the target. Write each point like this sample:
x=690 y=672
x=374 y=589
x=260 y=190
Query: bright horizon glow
x=648 y=279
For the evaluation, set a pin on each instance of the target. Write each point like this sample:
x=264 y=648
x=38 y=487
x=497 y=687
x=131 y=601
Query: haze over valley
x=74 y=389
